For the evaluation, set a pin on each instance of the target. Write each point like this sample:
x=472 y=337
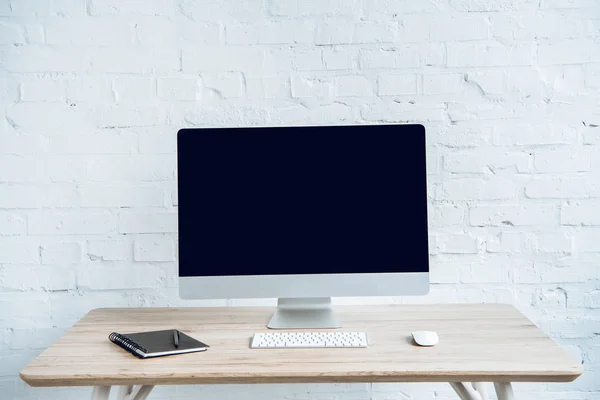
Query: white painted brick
x=498 y=5
x=62 y=195
x=43 y=90
x=414 y=29
x=562 y=161
x=139 y=168
x=175 y=198
x=548 y=25
x=108 y=250
x=156 y=31
x=284 y=32
x=458 y=28
x=18 y=169
x=153 y=250
x=126 y=116
x=403 y=112
x=294 y=8
x=121 y=196
x=553 y=242
x=592 y=300
x=458 y=137
x=11 y=143
x=71 y=223
x=249 y=10
x=278 y=60
x=480 y=162
x=479 y=189
x=225 y=85
x=379 y=8
x=308 y=60
x=134 y=59
x=67 y=8
x=24 y=310
x=531 y=83
x=36 y=338
x=484 y=273
x=155 y=222
x=46 y=117
x=550 y=298
x=12 y=223
x=311 y=86
x=340 y=32
x=128 y=276
x=90 y=32
x=195 y=32
x=506 y=242
x=552 y=4
x=131 y=7
x=340 y=58
x=442 y=83
x=489 y=82
x=353 y=86
x=24 y=59
x=135 y=90
x=444 y=272
x=587 y=240
x=90 y=90
x=446 y=215
x=532 y=135
x=178 y=89
x=488 y=54
x=559 y=187
x=397 y=84
x=507 y=215
x=580 y=213
x=222 y=59
x=157 y=144
x=268 y=87
x=19 y=252
x=67 y=168
x=34 y=34
x=61 y=253
x=11 y=34
x=458 y=244
x=405 y=56
x=299 y=114
x=21 y=196
x=568 y=52
x=377 y=32
x=592 y=76
x=99 y=143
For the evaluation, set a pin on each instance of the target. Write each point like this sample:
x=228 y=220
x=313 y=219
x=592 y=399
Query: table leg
x=101 y=393
x=470 y=391
x=140 y=392
x=124 y=391
x=504 y=391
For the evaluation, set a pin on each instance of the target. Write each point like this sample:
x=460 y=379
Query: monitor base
x=304 y=313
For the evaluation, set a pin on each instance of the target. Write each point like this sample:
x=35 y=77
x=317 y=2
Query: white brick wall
x=92 y=93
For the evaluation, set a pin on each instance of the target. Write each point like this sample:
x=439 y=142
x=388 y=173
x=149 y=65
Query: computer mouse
x=425 y=338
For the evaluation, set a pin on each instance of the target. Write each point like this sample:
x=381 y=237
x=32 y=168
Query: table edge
x=538 y=376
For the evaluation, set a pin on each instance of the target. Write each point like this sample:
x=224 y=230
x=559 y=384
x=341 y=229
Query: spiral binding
x=126 y=344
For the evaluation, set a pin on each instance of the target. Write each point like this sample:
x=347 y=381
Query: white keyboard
x=285 y=340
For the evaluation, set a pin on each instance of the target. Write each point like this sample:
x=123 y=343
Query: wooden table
x=478 y=343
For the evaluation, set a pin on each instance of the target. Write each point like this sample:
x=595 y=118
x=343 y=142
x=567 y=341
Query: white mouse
x=425 y=338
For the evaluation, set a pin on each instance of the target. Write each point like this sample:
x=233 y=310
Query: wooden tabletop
x=487 y=342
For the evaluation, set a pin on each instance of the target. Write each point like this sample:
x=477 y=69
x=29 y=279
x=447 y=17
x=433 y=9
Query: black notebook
x=157 y=343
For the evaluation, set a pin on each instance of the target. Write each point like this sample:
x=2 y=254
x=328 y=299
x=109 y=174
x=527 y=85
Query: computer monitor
x=302 y=214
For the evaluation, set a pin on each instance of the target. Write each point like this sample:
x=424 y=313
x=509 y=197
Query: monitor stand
x=304 y=313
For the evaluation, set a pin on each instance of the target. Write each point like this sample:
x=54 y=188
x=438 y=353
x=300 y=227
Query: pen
x=176 y=338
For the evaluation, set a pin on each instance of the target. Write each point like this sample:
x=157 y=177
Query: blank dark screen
x=302 y=200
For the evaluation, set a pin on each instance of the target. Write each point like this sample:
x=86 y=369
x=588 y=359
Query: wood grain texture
x=487 y=342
